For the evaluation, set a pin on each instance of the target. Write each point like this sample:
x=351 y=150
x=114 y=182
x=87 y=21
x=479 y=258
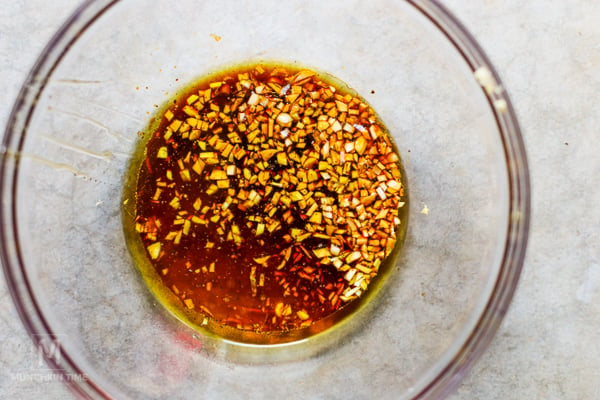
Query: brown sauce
x=268 y=198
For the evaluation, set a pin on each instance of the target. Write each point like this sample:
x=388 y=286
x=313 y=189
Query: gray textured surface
x=548 y=54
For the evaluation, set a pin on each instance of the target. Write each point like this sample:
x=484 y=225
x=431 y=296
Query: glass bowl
x=77 y=121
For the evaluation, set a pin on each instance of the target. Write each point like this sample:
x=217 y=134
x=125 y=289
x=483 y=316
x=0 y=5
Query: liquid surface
x=268 y=198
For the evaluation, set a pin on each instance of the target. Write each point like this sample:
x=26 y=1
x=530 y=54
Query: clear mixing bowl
x=96 y=85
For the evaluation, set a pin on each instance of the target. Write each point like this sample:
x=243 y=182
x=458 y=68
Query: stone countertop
x=548 y=54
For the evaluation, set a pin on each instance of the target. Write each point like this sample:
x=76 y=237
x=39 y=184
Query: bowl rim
x=519 y=198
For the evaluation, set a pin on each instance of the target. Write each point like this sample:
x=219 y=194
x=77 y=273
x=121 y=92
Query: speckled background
x=548 y=53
